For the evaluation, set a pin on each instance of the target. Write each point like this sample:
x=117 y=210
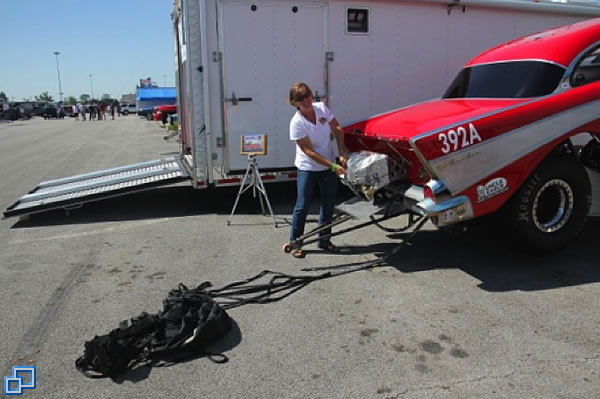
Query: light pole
x=92 y=86
x=60 y=93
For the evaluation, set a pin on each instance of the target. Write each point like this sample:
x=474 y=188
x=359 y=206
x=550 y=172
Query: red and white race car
x=498 y=140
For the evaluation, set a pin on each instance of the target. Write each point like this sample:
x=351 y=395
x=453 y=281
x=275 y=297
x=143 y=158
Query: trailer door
x=183 y=86
x=266 y=47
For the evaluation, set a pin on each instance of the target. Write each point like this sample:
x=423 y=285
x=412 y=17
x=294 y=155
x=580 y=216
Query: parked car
x=10 y=114
x=51 y=111
x=127 y=109
x=499 y=140
x=162 y=112
x=38 y=110
x=146 y=112
x=17 y=110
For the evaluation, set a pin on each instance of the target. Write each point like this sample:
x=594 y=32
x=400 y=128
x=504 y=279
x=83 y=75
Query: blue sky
x=119 y=42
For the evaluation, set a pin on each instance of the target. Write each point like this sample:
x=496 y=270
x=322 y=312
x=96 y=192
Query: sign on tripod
x=253 y=145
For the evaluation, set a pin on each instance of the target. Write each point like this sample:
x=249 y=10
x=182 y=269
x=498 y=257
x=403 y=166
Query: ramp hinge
x=329 y=56
x=217 y=56
x=220 y=142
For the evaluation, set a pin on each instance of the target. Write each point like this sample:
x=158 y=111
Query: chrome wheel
x=552 y=206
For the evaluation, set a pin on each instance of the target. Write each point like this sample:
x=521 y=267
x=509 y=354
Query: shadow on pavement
x=493 y=261
x=170 y=201
x=179 y=201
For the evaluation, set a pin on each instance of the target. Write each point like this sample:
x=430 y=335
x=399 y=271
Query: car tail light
x=428 y=193
x=435 y=190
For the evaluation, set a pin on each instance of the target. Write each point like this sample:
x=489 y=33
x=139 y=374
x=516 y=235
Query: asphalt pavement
x=452 y=315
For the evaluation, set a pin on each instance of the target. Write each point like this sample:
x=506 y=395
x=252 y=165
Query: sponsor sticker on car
x=491 y=189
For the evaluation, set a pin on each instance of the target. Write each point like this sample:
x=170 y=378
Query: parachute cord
x=283 y=285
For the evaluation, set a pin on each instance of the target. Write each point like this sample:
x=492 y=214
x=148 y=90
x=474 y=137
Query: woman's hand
x=339 y=169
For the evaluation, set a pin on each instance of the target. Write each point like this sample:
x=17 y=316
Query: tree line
x=70 y=100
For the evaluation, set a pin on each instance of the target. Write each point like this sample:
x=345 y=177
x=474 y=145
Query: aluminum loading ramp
x=72 y=192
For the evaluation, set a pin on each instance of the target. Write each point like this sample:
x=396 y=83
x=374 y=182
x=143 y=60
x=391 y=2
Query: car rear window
x=519 y=79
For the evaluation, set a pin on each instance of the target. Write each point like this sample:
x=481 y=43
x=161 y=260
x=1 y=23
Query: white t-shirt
x=320 y=136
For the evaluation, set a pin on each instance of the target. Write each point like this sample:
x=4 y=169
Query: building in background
x=149 y=97
x=128 y=98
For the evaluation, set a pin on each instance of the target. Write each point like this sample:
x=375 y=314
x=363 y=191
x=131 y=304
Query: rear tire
x=549 y=210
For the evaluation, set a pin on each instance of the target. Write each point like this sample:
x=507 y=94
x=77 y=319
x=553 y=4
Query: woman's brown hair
x=299 y=92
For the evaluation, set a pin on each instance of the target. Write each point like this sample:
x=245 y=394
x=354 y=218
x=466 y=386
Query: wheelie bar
x=336 y=220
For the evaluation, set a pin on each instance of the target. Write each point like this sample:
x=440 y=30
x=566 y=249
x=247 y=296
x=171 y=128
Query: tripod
x=253 y=180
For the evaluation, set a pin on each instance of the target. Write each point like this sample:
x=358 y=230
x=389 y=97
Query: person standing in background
x=101 y=111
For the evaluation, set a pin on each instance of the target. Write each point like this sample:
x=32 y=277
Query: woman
x=319 y=139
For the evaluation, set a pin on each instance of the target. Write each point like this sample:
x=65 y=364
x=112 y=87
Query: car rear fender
x=489 y=157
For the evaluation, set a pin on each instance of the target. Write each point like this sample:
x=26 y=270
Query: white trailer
x=236 y=60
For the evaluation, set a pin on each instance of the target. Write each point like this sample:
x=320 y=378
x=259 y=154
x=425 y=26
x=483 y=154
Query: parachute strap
x=282 y=285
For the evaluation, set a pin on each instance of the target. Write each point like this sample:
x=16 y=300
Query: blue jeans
x=306 y=183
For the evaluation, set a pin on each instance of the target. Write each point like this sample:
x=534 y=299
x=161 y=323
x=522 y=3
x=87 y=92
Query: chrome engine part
x=369 y=172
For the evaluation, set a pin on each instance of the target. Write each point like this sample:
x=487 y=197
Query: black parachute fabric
x=190 y=320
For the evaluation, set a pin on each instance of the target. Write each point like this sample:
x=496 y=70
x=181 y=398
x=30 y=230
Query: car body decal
x=462 y=168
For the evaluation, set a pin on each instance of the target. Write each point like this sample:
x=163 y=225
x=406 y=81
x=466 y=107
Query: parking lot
x=452 y=315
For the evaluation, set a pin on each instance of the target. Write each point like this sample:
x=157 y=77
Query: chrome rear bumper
x=443 y=213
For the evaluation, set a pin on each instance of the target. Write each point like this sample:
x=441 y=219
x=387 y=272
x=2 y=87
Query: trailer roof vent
x=357 y=20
